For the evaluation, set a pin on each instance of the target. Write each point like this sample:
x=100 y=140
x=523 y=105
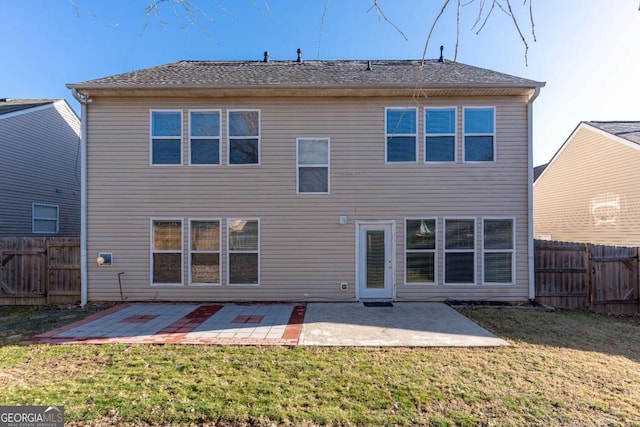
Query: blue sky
x=586 y=50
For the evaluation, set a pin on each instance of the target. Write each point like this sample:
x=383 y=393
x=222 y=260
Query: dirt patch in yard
x=17 y=323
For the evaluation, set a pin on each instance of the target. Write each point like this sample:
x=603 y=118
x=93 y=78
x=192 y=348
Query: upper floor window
x=440 y=134
x=166 y=137
x=313 y=165
x=401 y=134
x=204 y=137
x=479 y=134
x=244 y=137
x=44 y=218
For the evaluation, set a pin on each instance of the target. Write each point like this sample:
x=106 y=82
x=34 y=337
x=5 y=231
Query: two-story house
x=308 y=181
x=39 y=168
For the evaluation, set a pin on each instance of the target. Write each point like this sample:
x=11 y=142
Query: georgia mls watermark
x=31 y=416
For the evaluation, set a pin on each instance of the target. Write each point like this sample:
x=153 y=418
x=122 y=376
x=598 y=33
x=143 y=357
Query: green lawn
x=564 y=368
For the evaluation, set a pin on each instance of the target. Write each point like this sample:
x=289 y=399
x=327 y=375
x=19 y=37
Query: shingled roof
x=309 y=74
x=13 y=105
x=629 y=130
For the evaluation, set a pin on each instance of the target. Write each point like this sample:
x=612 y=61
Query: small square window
x=44 y=218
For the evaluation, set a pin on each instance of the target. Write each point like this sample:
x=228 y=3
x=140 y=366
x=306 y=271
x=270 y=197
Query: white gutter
x=83 y=100
x=532 y=275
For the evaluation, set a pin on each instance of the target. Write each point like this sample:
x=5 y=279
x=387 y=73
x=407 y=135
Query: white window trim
x=206 y=138
x=229 y=252
x=464 y=135
x=445 y=251
x=512 y=251
x=387 y=135
x=434 y=251
x=219 y=251
x=231 y=138
x=151 y=137
x=34 y=218
x=454 y=134
x=152 y=251
x=327 y=165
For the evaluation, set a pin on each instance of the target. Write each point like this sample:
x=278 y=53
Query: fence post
x=590 y=276
x=637 y=266
x=46 y=272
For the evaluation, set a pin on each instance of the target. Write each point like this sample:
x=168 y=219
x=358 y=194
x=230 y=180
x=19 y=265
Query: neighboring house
x=590 y=191
x=313 y=181
x=39 y=168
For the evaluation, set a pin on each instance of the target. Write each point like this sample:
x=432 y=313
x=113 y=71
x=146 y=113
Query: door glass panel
x=375 y=259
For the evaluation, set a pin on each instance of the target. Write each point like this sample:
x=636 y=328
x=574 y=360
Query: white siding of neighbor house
x=39 y=164
x=590 y=192
x=305 y=252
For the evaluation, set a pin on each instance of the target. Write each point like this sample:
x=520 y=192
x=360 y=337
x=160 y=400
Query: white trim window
x=45 y=218
x=204 y=251
x=204 y=137
x=440 y=134
x=479 y=134
x=166 y=251
x=243 y=251
x=420 y=251
x=459 y=251
x=243 y=137
x=165 y=143
x=401 y=135
x=312 y=158
x=498 y=250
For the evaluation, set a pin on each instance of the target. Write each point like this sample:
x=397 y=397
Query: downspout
x=83 y=100
x=532 y=276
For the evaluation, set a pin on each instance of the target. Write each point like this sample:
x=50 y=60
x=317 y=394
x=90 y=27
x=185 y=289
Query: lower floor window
x=459 y=251
x=244 y=251
x=166 y=251
x=420 y=247
x=498 y=247
x=204 y=248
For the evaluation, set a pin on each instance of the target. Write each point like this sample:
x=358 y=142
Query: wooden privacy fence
x=605 y=279
x=39 y=270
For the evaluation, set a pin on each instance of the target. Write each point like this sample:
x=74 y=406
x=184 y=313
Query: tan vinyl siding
x=40 y=163
x=305 y=252
x=590 y=192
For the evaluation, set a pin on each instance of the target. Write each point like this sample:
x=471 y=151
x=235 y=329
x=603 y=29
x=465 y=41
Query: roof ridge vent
x=299 y=52
x=441 y=59
x=369 y=66
x=266 y=56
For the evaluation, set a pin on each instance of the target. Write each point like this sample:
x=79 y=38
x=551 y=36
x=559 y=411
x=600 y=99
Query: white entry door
x=376 y=269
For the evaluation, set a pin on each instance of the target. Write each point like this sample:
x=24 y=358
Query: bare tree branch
x=322 y=21
x=433 y=26
x=524 y=41
x=381 y=14
x=88 y=12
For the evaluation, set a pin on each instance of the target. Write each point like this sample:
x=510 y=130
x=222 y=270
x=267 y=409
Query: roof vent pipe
x=266 y=56
x=299 y=55
x=369 y=66
x=441 y=59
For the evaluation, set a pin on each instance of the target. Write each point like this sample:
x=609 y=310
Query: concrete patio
x=405 y=324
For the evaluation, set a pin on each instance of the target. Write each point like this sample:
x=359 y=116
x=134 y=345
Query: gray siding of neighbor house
x=39 y=163
x=590 y=192
x=305 y=252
